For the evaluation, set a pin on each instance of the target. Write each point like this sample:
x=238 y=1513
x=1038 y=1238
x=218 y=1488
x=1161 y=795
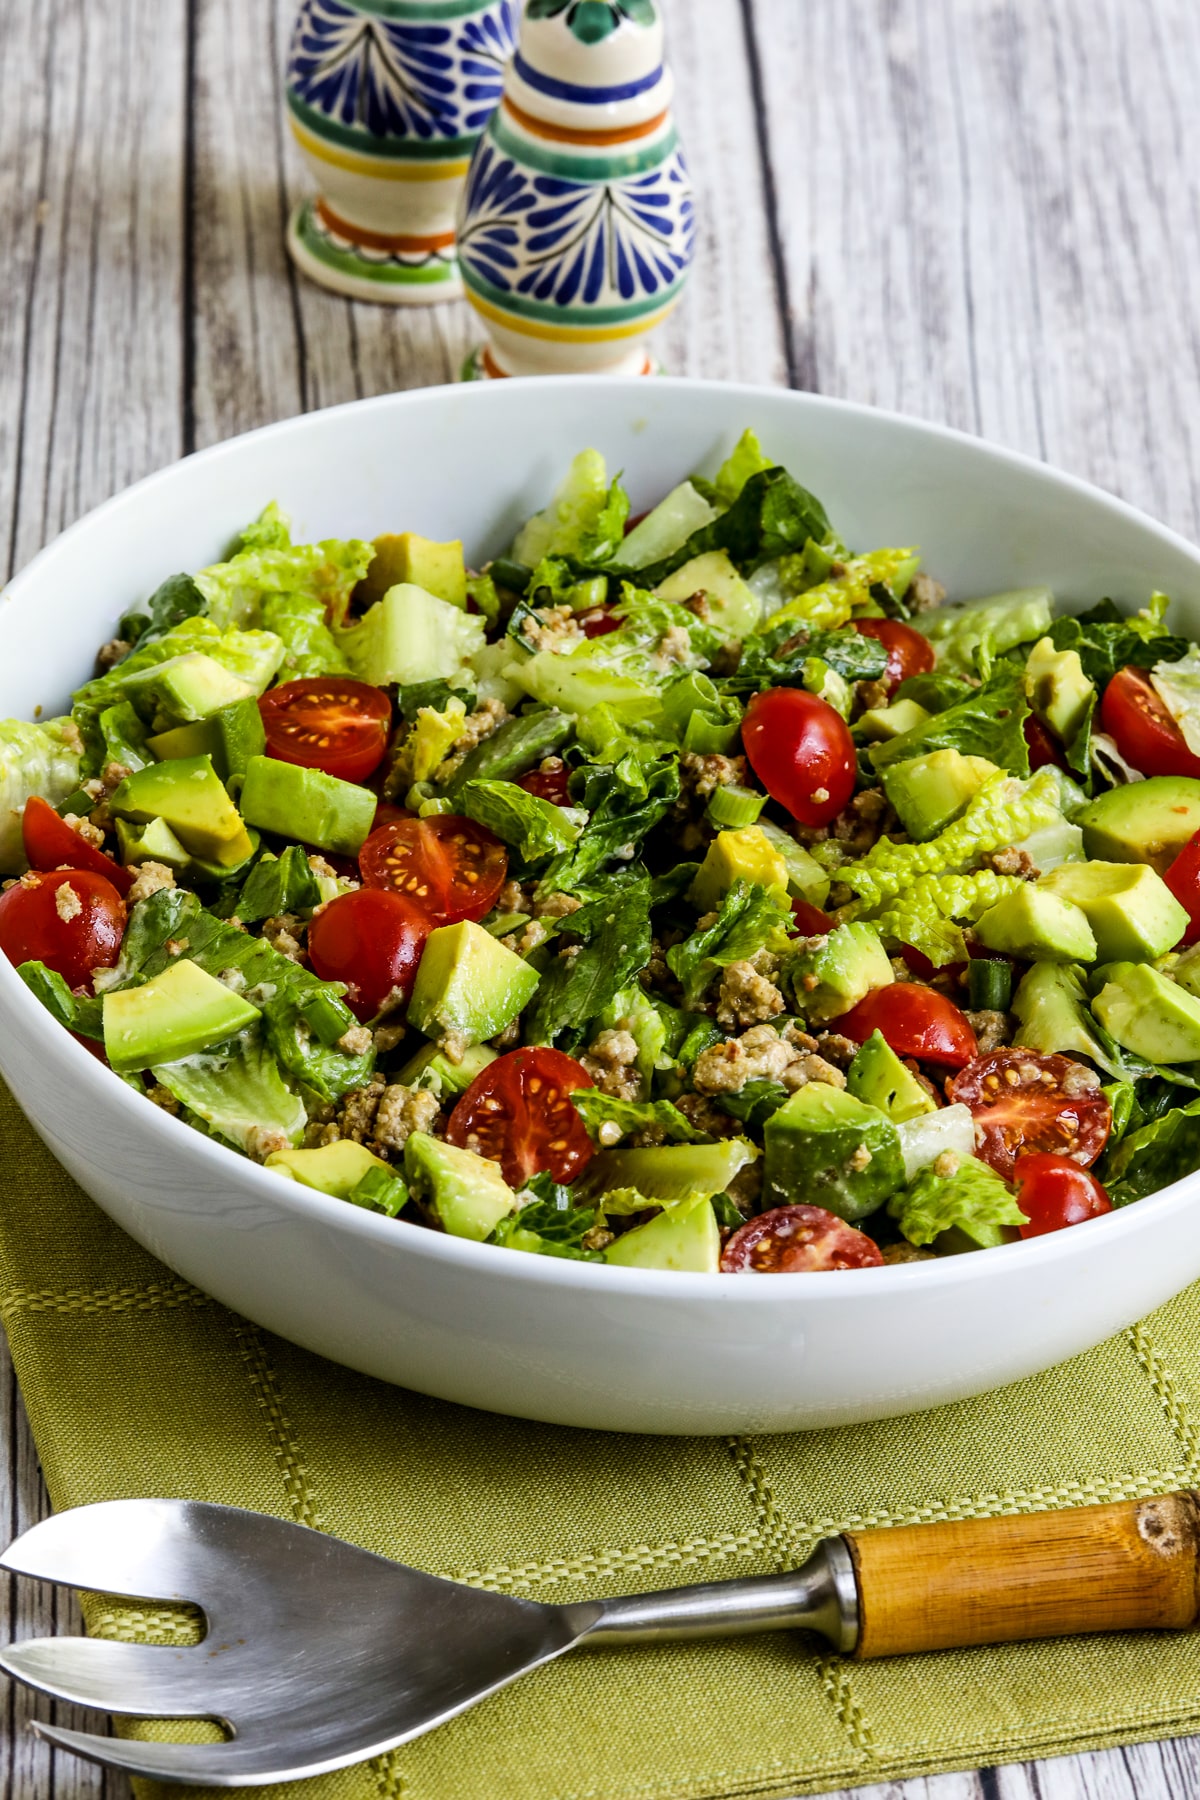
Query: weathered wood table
x=980 y=211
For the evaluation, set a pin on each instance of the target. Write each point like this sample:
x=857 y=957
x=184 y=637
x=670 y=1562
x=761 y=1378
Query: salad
x=695 y=892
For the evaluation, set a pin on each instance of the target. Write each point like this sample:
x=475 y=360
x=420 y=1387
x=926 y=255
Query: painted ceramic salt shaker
x=576 y=225
x=387 y=99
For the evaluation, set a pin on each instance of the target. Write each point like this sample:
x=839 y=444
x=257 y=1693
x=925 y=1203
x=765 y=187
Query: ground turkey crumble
x=488 y=717
x=747 y=997
x=762 y=1054
x=67 y=903
x=151 y=878
x=611 y=1061
x=381 y=1115
x=285 y=932
x=992 y=1029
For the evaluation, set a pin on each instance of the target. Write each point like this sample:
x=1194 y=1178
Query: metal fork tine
x=139 y=1548
x=143 y=1680
x=195 y=1765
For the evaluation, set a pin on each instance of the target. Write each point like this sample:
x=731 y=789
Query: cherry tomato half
x=1146 y=734
x=548 y=784
x=328 y=722
x=72 y=920
x=1054 y=1192
x=923 y=968
x=794 y=1240
x=1043 y=749
x=372 y=941
x=448 y=866
x=599 y=622
x=1023 y=1101
x=909 y=652
x=1183 y=879
x=809 y=920
x=801 y=751
x=50 y=843
x=519 y=1113
x=915 y=1021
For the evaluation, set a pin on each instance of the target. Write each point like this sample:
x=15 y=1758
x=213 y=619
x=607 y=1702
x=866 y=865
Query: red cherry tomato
x=923 y=968
x=448 y=866
x=915 y=1021
x=1043 y=749
x=801 y=751
x=1146 y=734
x=72 y=920
x=1054 y=1192
x=548 y=784
x=519 y=1113
x=810 y=921
x=909 y=652
x=1183 y=879
x=52 y=844
x=328 y=722
x=1023 y=1101
x=598 y=622
x=372 y=940
x=794 y=1240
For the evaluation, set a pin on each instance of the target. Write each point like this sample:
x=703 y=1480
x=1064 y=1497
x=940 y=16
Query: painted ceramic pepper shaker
x=576 y=224
x=387 y=99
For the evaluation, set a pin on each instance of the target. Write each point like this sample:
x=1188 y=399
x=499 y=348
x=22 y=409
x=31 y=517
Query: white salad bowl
x=575 y=1343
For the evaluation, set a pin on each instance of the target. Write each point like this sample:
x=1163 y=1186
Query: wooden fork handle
x=1028 y=1575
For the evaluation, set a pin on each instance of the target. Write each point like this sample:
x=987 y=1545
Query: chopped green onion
x=380 y=1191
x=79 y=803
x=506 y=573
x=327 y=1017
x=503 y=923
x=733 y=807
x=989 y=984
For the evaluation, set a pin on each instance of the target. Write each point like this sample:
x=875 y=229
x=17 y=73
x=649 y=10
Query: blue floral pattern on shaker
x=484 y=46
x=622 y=240
x=383 y=76
x=593 y=20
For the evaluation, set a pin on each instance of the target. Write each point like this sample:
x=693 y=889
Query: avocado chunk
x=684 y=1238
x=155 y=842
x=667 y=1172
x=805 y=876
x=1143 y=822
x=838 y=972
x=879 y=1077
x=406 y=556
x=466 y=1194
x=468 y=985
x=185 y=688
x=1131 y=910
x=179 y=1012
x=307 y=804
x=431 y=1068
x=745 y=855
x=733 y=607
x=928 y=792
x=879 y=723
x=826 y=1148
x=825 y=682
x=1057 y=688
x=333 y=1169
x=231 y=736
x=188 y=794
x=1035 y=924
x=1149 y=1013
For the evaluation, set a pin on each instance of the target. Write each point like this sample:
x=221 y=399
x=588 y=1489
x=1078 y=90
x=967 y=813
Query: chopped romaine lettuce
x=999 y=623
x=660 y=1117
x=673 y=522
x=577 y=986
x=751 y=918
x=969 y=1198
x=989 y=721
x=534 y=827
x=924 y=1138
x=924 y=911
x=1108 y=640
x=309 y=646
x=1153 y=1156
x=41 y=759
x=625 y=801
x=411 y=636
x=1177 y=685
x=586 y=518
x=238 y=1093
x=268 y=563
x=431 y=737
x=744 y=460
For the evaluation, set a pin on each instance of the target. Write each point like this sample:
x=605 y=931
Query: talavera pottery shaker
x=576 y=224
x=387 y=99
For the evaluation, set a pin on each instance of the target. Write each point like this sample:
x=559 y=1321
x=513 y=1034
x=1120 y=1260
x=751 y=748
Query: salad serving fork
x=318 y=1654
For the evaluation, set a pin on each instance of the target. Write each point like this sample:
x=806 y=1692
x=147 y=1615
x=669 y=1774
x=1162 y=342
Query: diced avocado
x=825 y=682
x=667 y=1172
x=333 y=1169
x=685 y=1238
x=411 y=636
x=1144 y=821
x=1149 y=1013
x=1052 y=844
x=1057 y=688
x=745 y=855
x=186 y=688
x=839 y=972
x=667 y=526
x=826 y=1148
x=879 y=1077
x=155 y=842
x=468 y=984
x=198 y=739
x=307 y=804
x=431 y=1068
x=187 y=793
x=733 y=608
x=1052 y=1004
x=231 y=736
x=928 y=792
x=805 y=876
x=408 y=557
x=1035 y=924
x=879 y=723
x=179 y=1012
x=465 y=1193
x=1131 y=910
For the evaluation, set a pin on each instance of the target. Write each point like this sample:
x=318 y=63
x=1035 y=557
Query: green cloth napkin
x=138 y=1384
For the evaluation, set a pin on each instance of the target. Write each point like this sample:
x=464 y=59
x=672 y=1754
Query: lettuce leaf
x=998 y=622
x=277 y=884
x=309 y=647
x=1108 y=640
x=1154 y=1156
x=777 y=656
x=176 y=599
x=989 y=721
x=533 y=827
x=751 y=918
x=585 y=519
x=268 y=563
x=626 y=801
x=772 y=516
x=235 y=1091
x=34 y=759
x=431 y=736
x=1177 y=685
x=744 y=460
x=973 y=1196
x=574 y=989
x=597 y=1109
x=925 y=911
